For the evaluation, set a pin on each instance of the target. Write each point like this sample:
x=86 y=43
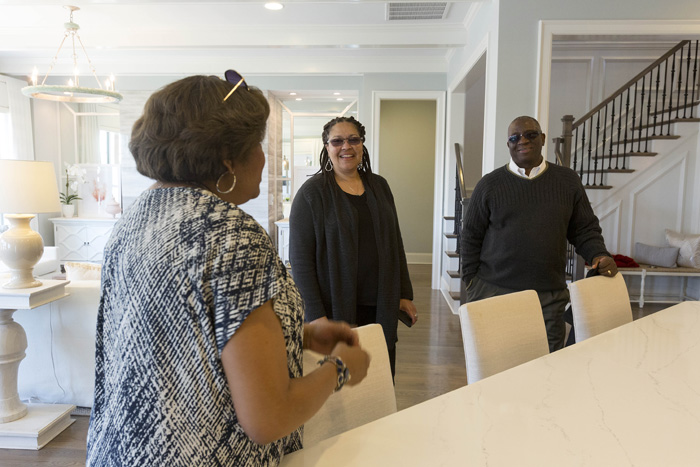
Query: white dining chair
x=353 y=406
x=599 y=304
x=502 y=332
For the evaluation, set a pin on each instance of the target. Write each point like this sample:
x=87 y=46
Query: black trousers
x=553 y=304
x=367 y=314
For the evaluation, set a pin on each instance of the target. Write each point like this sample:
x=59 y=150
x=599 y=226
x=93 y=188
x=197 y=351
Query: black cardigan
x=323 y=229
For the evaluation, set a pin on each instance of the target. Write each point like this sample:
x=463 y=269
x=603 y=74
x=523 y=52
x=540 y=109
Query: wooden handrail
x=629 y=83
x=460 y=172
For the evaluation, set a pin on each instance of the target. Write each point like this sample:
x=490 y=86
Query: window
x=6 y=145
x=109 y=147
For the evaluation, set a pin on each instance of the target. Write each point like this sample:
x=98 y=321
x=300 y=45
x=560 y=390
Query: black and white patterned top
x=182 y=270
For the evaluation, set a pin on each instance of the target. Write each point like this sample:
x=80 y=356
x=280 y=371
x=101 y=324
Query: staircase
x=606 y=143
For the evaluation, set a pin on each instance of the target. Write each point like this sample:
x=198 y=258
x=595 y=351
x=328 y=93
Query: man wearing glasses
x=517 y=224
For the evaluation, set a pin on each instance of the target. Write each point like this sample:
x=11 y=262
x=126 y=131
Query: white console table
x=25 y=426
x=81 y=238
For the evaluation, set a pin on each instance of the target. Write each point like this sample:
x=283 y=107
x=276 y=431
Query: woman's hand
x=356 y=359
x=322 y=335
x=408 y=306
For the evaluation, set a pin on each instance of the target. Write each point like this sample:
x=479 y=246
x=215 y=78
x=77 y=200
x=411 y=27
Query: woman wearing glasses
x=346 y=250
x=200 y=328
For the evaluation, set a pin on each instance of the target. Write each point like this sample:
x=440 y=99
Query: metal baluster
x=663 y=101
x=641 y=117
x=656 y=98
x=597 y=139
x=646 y=137
x=695 y=77
x=627 y=114
x=634 y=117
x=680 y=82
x=575 y=149
x=619 y=134
x=612 y=134
x=590 y=140
x=605 y=139
x=687 y=73
x=670 y=92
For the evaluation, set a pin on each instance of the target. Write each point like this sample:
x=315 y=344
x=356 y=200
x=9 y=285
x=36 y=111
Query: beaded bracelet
x=343 y=373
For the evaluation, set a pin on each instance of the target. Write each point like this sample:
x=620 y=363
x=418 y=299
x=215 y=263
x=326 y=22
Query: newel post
x=566 y=134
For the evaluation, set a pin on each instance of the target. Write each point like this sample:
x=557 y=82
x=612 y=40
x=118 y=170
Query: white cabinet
x=283 y=240
x=81 y=239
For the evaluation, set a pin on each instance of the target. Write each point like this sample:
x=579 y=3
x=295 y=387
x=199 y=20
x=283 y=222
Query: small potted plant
x=74 y=177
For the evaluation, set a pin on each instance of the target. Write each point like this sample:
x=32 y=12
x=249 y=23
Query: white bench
x=645 y=270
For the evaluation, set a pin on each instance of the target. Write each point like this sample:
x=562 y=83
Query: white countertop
x=628 y=397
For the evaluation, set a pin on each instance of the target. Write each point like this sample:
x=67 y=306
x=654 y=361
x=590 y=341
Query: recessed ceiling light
x=339 y=99
x=274 y=6
x=336 y=93
x=298 y=98
x=292 y=93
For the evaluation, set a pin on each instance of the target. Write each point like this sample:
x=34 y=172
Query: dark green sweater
x=516 y=229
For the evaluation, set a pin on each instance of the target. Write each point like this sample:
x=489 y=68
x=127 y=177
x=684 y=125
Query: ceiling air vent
x=399 y=11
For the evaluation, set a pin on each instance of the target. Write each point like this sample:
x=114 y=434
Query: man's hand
x=605 y=265
x=322 y=335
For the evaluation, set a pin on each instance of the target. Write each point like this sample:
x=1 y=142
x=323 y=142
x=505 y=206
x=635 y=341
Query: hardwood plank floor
x=429 y=363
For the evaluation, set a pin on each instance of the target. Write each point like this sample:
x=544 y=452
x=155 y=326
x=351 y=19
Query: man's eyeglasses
x=338 y=142
x=531 y=135
x=236 y=79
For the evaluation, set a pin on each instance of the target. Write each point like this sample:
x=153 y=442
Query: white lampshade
x=26 y=188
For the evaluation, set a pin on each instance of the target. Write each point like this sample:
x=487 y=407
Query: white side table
x=25 y=426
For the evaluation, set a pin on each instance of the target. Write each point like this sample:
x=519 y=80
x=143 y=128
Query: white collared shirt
x=513 y=167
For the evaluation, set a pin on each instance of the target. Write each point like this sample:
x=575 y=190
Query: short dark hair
x=364 y=167
x=528 y=118
x=187 y=131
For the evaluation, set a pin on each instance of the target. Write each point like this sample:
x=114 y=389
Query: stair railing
x=643 y=109
x=461 y=201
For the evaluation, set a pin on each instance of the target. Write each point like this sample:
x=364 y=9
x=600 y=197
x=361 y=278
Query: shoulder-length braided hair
x=364 y=167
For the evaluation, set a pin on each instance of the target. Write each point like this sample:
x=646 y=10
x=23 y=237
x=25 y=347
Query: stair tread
x=450 y=235
x=628 y=154
x=597 y=187
x=454 y=295
x=453 y=274
x=449 y=218
x=608 y=171
x=673 y=120
x=677 y=107
x=643 y=139
x=452 y=254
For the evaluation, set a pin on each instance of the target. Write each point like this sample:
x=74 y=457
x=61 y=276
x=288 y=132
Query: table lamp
x=26 y=188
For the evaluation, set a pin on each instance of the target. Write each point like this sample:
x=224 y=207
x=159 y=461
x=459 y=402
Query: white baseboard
x=419 y=258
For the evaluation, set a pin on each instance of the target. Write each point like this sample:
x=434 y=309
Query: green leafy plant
x=74 y=177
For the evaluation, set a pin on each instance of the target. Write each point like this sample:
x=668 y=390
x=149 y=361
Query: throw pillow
x=688 y=248
x=83 y=271
x=664 y=256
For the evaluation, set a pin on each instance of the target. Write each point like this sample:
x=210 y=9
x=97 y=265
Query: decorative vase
x=67 y=210
x=113 y=208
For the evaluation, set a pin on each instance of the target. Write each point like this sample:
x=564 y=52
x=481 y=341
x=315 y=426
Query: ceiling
x=178 y=37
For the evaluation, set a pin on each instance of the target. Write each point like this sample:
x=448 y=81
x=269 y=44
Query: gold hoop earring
x=218 y=182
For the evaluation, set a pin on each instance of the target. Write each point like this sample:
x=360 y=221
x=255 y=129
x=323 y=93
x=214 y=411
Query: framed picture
x=101 y=193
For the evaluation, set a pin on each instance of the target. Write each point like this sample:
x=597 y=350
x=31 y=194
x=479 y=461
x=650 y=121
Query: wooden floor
x=429 y=362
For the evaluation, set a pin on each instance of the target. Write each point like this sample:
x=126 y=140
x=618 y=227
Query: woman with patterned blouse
x=200 y=327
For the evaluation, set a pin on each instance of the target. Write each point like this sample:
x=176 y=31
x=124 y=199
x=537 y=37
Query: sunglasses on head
x=338 y=142
x=235 y=78
x=531 y=135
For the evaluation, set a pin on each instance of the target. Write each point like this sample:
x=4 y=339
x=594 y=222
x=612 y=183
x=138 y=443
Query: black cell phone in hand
x=405 y=318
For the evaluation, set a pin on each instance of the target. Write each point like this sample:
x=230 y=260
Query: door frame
x=439 y=97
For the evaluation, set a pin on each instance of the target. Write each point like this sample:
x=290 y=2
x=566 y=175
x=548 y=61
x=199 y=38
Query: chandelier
x=72 y=92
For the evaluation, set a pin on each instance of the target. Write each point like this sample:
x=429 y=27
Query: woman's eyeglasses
x=531 y=135
x=235 y=78
x=338 y=142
